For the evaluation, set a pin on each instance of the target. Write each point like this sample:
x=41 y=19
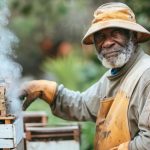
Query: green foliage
x=74 y=71
x=78 y=74
x=87 y=138
x=28 y=25
x=141 y=10
x=65 y=70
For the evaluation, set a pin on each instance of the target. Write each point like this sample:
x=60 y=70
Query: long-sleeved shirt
x=83 y=106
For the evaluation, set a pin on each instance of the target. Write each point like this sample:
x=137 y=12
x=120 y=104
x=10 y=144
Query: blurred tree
x=65 y=20
x=34 y=20
x=141 y=9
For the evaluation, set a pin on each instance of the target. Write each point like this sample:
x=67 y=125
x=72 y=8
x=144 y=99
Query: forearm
x=71 y=105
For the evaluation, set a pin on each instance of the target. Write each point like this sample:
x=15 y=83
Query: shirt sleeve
x=142 y=140
x=75 y=105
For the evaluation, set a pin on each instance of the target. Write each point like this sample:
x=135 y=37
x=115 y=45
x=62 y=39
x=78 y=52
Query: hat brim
x=142 y=34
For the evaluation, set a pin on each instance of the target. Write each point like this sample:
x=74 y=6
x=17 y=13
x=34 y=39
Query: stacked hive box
x=39 y=135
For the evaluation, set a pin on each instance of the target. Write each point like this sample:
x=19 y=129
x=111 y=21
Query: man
x=119 y=102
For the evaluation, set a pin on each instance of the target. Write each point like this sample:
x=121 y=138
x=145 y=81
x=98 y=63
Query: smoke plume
x=10 y=71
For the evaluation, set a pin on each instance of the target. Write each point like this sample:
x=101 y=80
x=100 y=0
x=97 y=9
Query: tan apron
x=112 y=123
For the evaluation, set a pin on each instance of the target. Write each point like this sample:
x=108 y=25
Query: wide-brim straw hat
x=115 y=14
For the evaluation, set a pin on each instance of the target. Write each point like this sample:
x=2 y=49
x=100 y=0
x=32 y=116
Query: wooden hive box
x=53 y=137
x=35 y=117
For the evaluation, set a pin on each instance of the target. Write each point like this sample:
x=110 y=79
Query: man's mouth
x=111 y=54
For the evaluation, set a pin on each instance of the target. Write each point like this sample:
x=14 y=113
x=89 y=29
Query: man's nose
x=108 y=42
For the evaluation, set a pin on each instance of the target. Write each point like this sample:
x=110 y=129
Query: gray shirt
x=83 y=106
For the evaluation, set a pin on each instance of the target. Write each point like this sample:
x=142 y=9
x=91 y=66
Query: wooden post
x=2 y=101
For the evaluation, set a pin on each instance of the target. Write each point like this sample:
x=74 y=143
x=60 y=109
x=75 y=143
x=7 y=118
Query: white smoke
x=4 y=13
x=10 y=71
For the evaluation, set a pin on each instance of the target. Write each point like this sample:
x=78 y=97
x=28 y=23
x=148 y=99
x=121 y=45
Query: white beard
x=121 y=59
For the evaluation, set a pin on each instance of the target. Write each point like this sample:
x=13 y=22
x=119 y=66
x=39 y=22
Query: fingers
x=114 y=148
x=29 y=99
x=22 y=94
x=25 y=104
x=123 y=146
x=29 y=91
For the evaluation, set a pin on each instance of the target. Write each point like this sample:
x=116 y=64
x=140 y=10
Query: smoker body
x=11 y=127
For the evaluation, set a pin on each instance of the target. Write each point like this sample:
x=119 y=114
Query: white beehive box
x=53 y=145
x=11 y=134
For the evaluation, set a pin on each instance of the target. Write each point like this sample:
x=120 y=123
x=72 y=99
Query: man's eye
x=99 y=37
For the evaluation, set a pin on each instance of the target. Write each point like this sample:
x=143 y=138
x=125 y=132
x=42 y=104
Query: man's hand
x=38 y=89
x=123 y=146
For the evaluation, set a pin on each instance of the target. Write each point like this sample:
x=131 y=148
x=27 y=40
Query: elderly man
x=119 y=102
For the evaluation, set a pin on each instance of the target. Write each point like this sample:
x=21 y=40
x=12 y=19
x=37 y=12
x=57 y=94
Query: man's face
x=114 y=46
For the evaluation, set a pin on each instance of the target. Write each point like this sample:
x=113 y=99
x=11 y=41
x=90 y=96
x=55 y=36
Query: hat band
x=109 y=15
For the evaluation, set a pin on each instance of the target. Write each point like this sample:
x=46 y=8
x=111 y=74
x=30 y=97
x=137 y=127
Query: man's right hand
x=43 y=89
